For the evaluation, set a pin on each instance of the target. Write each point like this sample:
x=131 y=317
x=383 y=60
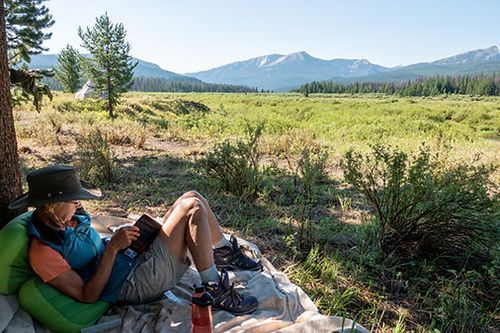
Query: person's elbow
x=88 y=295
x=73 y=286
x=88 y=299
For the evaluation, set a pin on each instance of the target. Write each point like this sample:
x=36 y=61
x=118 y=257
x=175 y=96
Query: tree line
x=154 y=84
x=485 y=85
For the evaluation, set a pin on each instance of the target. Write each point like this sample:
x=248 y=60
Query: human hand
x=123 y=237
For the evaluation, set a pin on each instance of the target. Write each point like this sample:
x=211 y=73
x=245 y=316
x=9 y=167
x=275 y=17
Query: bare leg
x=185 y=227
x=215 y=229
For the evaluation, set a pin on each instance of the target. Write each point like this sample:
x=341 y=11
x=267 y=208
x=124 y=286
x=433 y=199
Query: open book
x=149 y=229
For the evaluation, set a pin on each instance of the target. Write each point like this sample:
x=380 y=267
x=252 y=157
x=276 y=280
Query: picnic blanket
x=283 y=307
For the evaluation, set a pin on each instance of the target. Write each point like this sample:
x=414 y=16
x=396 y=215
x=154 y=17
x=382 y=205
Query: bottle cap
x=204 y=299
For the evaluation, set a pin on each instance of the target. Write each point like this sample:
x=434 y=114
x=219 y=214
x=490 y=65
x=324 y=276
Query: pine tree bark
x=110 y=103
x=10 y=176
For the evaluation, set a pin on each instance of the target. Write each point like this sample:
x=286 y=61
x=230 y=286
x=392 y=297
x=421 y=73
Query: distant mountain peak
x=299 y=55
x=275 y=59
x=480 y=55
x=362 y=62
x=359 y=63
x=281 y=72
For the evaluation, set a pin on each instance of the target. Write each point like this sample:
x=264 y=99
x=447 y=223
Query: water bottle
x=201 y=311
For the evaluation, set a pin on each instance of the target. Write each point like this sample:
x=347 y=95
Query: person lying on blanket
x=67 y=253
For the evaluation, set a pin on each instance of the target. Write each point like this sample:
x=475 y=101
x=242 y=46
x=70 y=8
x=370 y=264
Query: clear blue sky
x=192 y=35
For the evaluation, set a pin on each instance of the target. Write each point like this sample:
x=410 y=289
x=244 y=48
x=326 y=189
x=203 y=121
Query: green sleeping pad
x=14 y=266
x=56 y=311
x=50 y=307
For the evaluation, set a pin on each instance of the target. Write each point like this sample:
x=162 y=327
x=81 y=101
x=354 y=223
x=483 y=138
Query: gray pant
x=157 y=270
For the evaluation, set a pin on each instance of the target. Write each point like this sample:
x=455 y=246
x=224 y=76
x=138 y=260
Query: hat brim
x=87 y=192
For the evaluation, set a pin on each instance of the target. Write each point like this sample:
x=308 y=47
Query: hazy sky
x=192 y=35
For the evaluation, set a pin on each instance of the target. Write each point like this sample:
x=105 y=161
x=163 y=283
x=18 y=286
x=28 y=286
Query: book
x=149 y=229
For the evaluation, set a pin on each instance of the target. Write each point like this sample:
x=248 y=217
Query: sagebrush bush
x=425 y=208
x=234 y=167
x=95 y=158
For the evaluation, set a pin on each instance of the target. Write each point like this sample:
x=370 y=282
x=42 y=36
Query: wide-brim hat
x=55 y=183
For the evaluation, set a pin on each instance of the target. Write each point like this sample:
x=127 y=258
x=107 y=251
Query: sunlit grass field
x=157 y=140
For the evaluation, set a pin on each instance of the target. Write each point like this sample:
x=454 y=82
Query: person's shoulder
x=38 y=247
x=46 y=262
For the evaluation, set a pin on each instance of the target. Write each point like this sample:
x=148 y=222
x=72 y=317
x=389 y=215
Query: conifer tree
x=69 y=69
x=25 y=21
x=10 y=177
x=25 y=24
x=109 y=67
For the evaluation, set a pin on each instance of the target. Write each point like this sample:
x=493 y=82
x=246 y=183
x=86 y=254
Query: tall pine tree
x=10 y=176
x=69 y=69
x=110 y=67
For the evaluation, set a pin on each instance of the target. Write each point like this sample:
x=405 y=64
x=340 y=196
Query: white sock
x=221 y=243
x=209 y=275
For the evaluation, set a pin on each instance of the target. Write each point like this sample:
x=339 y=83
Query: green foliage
x=456 y=303
x=158 y=84
x=321 y=277
x=311 y=167
x=110 y=66
x=26 y=86
x=95 y=158
x=25 y=22
x=425 y=208
x=69 y=69
x=309 y=174
x=235 y=167
x=487 y=85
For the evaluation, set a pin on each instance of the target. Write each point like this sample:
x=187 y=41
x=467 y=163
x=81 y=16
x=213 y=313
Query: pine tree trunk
x=110 y=102
x=110 y=107
x=10 y=176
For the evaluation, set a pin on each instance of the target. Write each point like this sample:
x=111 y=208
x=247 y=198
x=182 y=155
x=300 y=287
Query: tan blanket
x=283 y=307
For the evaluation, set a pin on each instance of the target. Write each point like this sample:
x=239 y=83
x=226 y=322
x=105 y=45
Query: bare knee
x=192 y=194
x=195 y=194
x=192 y=205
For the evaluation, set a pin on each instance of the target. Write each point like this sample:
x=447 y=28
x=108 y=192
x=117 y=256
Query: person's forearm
x=93 y=288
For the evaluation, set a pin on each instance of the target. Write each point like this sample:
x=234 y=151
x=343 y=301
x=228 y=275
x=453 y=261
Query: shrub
x=235 y=167
x=95 y=158
x=307 y=167
x=56 y=123
x=310 y=172
x=127 y=134
x=311 y=167
x=425 y=208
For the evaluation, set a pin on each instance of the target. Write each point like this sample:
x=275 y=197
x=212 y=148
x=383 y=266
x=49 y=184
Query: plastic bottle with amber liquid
x=201 y=311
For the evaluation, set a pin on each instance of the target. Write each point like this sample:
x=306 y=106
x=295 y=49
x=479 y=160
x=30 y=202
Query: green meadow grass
x=157 y=139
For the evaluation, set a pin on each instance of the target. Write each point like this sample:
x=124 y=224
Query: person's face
x=62 y=212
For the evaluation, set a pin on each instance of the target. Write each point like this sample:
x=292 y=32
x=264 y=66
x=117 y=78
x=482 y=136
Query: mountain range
x=278 y=72
x=143 y=68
